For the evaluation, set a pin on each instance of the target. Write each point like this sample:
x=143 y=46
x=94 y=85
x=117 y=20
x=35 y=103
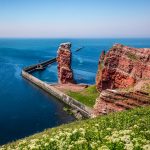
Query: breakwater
x=33 y=68
x=84 y=110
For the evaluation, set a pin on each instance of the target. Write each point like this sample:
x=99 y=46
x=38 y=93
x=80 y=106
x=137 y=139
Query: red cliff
x=65 y=73
x=122 y=67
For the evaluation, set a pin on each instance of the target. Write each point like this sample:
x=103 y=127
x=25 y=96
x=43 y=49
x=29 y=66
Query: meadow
x=87 y=96
x=127 y=130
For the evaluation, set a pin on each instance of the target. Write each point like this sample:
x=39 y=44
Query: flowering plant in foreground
x=95 y=134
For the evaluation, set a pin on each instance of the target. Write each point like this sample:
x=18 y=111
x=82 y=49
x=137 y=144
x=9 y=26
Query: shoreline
x=52 y=90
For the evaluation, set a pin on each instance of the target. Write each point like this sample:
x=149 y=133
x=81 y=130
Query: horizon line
x=74 y=37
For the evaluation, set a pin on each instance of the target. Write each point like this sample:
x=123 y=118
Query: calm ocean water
x=24 y=108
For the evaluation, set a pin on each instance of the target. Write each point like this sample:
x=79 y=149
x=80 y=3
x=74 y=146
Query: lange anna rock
x=64 y=55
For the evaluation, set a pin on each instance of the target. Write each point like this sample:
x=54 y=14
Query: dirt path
x=70 y=87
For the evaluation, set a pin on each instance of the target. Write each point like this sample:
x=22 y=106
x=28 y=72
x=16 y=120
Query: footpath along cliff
x=123 y=79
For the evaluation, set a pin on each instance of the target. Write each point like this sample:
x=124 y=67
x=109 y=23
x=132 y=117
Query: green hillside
x=87 y=96
x=118 y=131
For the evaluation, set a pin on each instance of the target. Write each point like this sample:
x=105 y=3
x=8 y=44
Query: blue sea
x=24 y=108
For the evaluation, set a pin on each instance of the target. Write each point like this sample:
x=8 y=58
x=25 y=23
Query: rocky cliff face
x=115 y=100
x=65 y=73
x=122 y=67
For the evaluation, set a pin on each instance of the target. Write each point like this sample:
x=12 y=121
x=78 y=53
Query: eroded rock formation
x=123 y=79
x=115 y=100
x=122 y=67
x=65 y=73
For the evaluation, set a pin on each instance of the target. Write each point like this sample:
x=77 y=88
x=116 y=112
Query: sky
x=75 y=18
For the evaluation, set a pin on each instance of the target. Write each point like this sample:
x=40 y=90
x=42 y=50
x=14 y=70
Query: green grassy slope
x=87 y=96
x=117 y=131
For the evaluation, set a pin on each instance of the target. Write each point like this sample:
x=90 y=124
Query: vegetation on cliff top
x=86 y=96
x=132 y=56
x=146 y=88
x=128 y=130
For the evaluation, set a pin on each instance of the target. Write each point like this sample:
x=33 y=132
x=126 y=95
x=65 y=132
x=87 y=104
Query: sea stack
x=64 y=55
x=122 y=67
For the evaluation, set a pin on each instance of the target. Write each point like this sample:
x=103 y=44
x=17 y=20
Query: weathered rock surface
x=113 y=101
x=122 y=67
x=65 y=73
x=123 y=78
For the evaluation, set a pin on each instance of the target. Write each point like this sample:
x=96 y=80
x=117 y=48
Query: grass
x=128 y=130
x=87 y=96
x=132 y=56
x=146 y=88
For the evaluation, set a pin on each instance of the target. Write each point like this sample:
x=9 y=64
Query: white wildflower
x=75 y=131
x=52 y=139
x=70 y=147
x=45 y=136
x=108 y=129
x=96 y=125
x=129 y=146
x=114 y=140
x=123 y=132
x=34 y=140
x=114 y=135
x=125 y=138
x=104 y=147
x=46 y=144
x=135 y=126
x=93 y=145
x=81 y=141
x=32 y=146
x=146 y=147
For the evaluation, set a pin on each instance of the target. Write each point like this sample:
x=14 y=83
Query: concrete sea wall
x=32 y=68
x=84 y=110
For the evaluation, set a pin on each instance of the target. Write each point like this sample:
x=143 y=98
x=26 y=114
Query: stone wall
x=84 y=110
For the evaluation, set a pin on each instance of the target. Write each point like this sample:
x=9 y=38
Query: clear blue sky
x=75 y=18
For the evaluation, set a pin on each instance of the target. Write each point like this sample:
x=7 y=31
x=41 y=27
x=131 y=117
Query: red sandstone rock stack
x=65 y=73
x=122 y=67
